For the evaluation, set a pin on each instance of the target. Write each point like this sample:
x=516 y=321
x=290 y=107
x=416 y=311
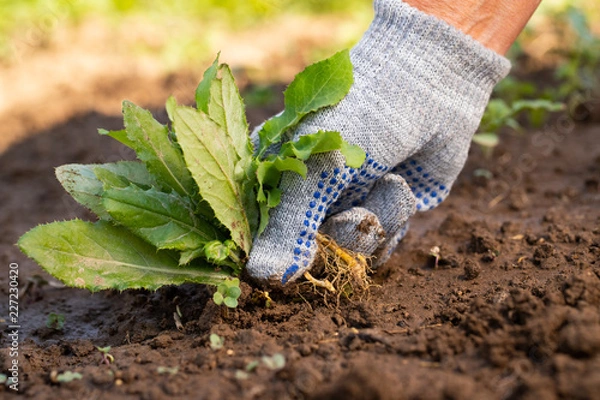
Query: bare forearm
x=494 y=23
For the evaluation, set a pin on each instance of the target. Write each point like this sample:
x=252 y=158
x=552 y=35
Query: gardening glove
x=420 y=89
x=376 y=226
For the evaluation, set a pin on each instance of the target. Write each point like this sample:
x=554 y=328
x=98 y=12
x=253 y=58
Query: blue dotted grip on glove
x=338 y=189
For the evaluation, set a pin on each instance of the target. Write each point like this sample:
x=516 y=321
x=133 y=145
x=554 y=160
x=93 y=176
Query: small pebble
x=472 y=269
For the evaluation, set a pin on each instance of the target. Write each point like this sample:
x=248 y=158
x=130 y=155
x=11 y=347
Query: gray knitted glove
x=420 y=89
x=375 y=228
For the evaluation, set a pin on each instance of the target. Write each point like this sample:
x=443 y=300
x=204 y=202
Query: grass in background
x=32 y=23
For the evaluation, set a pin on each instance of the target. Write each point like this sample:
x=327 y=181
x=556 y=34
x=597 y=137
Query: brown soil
x=512 y=311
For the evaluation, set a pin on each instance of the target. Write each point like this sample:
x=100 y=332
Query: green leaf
x=320 y=142
x=68 y=376
x=273 y=197
x=323 y=142
x=152 y=145
x=264 y=217
x=269 y=172
x=165 y=220
x=227 y=293
x=120 y=135
x=212 y=160
x=223 y=254
x=82 y=182
x=187 y=256
x=100 y=256
x=538 y=104
x=234 y=292
x=226 y=108
x=486 y=139
x=319 y=85
x=123 y=174
x=275 y=362
x=216 y=341
x=495 y=115
x=354 y=154
x=230 y=302
x=218 y=298
x=203 y=89
x=265 y=169
x=170 y=107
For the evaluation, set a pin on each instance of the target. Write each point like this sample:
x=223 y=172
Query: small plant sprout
x=177 y=318
x=499 y=114
x=167 y=370
x=274 y=362
x=251 y=366
x=262 y=298
x=435 y=253
x=216 y=341
x=65 y=377
x=107 y=358
x=228 y=293
x=55 y=321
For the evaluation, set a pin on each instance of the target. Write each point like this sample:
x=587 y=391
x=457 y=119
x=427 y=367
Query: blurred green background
x=52 y=49
x=63 y=57
x=183 y=30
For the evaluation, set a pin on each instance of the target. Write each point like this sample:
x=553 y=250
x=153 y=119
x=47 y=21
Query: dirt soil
x=512 y=311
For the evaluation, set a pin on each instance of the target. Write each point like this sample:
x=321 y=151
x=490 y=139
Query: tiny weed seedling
x=216 y=341
x=55 y=321
x=177 y=318
x=189 y=209
x=65 y=377
x=107 y=358
x=262 y=298
x=167 y=370
x=228 y=293
x=435 y=253
x=499 y=114
x=274 y=362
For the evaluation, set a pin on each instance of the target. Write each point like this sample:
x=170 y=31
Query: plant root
x=343 y=271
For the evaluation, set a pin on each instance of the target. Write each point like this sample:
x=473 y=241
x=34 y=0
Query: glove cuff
x=436 y=52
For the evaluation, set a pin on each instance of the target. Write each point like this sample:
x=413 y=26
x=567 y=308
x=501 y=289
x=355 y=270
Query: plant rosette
x=189 y=208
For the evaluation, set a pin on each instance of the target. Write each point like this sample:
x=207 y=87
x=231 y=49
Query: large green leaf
x=319 y=85
x=226 y=108
x=213 y=162
x=100 y=256
x=203 y=89
x=81 y=181
x=165 y=220
x=152 y=144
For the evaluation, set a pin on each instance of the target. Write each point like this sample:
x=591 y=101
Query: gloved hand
x=420 y=89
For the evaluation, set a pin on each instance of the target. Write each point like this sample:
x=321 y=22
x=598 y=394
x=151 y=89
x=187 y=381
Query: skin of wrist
x=494 y=23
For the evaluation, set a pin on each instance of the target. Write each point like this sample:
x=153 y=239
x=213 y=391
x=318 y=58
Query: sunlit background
x=53 y=51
